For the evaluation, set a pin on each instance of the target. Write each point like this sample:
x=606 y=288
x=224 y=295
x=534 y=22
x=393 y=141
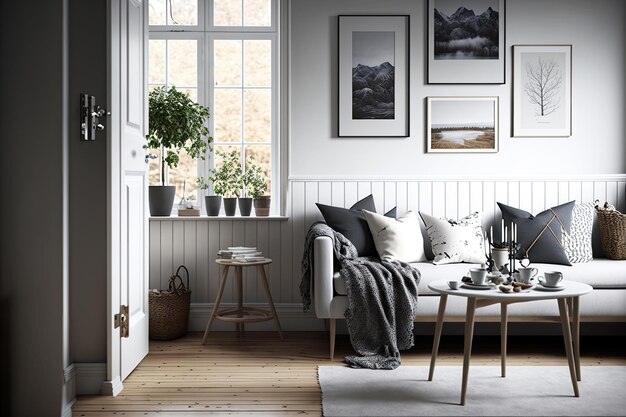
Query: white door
x=128 y=185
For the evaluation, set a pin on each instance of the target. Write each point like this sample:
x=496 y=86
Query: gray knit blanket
x=382 y=301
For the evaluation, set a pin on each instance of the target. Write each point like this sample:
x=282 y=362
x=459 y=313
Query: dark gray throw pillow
x=352 y=224
x=538 y=246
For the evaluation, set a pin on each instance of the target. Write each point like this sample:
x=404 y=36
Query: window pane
x=184 y=12
x=191 y=92
x=156 y=61
x=156 y=12
x=154 y=172
x=261 y=156
x=227 y=115
x=186 y=171
x=258 y=63
x=227 y=61
x=257 y=12
x=258 y=116
x=182 y=60
x=225 y=149
x=227 y=13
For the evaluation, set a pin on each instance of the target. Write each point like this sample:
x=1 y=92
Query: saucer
x=542 y=287
x=473 y=286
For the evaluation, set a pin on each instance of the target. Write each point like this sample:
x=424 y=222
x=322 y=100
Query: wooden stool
x=240 y=315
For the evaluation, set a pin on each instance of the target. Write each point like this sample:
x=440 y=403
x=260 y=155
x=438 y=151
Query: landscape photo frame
x=466 y=42
x=542 y=90
x=462 y=124
x=373 y=79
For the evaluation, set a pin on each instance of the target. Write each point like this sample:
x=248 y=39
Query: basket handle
x=181 y=285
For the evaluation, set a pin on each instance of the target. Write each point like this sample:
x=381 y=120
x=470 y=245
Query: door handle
x=150 y=156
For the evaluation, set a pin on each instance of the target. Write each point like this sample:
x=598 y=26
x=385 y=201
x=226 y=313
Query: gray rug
x=526 y=391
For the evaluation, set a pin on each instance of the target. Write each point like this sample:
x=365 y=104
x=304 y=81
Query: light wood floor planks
x=260 y=375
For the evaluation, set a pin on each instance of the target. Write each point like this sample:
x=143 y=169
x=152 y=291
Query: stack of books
x=240 y=254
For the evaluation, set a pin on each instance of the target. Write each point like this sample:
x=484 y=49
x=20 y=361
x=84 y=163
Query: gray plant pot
x=245 y=205
x=230 y=205
x=161 y=198
x=213 y=203
x=262 y=205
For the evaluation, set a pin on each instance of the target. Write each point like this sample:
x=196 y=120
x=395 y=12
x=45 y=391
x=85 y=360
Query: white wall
x=595 y=29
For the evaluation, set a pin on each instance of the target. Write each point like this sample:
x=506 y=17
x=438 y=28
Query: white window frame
x=206 y=33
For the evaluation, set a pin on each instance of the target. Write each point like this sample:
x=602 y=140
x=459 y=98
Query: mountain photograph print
x=466 y=29
x=373 y=75
x=462 y=124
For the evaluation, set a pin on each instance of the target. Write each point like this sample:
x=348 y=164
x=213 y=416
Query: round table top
x=572 y=289
x=237 y=262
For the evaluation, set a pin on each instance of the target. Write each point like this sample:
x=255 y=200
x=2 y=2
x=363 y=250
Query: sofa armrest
x=322 y=276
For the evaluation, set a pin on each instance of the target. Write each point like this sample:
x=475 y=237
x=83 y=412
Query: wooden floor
x=260 y=375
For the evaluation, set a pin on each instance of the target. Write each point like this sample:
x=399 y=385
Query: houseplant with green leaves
x=176 y=124
x=226 y=180
x=254 y=187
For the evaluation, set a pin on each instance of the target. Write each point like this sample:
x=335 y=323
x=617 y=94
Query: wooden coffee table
x=476 y=298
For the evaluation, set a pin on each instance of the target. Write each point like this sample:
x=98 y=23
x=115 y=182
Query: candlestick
x=502 y=232
x=506 y=235
x=491 y=233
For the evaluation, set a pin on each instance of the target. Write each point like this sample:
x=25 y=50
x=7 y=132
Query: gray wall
x=595 y=29
x=32 y=240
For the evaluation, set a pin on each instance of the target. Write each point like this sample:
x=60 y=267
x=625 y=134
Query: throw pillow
x=399 y=239
x=351 y=223
x=456 y=241
x=577 y=243
x=539 y=236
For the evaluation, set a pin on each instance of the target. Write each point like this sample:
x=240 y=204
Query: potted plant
x=176 y=123
x=256 y=188
x=226 y=180
x=253 y=185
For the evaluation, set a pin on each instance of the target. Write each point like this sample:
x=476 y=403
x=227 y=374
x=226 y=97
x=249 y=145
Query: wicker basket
x=612 y=233
x=169 y=310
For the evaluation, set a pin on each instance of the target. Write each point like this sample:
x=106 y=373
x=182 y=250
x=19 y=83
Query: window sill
x=219 y=218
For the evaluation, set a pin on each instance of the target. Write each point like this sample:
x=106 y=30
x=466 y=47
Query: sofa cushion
x=577 y=243
x=399 y=239
x=539 y=236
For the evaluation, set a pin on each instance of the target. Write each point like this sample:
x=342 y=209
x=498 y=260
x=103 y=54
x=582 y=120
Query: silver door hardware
x=149 y=155
x=121 y=320
x=90 y=115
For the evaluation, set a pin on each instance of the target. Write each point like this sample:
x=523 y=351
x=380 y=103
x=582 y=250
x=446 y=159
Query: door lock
x=90 y=115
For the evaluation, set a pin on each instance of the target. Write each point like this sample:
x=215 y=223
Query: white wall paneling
x=195 y=241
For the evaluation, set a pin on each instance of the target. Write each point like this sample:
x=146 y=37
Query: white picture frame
x=371 y=42
x=542 y=90
x=462 y=124
x=478 y=59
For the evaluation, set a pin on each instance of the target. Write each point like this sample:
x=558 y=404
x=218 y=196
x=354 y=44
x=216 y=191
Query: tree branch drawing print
x=543 y=85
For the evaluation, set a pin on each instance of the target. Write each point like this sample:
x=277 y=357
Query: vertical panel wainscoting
x=194 y=242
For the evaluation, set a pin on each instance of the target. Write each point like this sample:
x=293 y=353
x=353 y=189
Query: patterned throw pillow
x=577 y=243
x=456 y=241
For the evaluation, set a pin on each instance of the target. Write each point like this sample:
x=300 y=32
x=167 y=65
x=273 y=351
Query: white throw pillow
x=456 y=240
x=398 y=239
x=577 y=243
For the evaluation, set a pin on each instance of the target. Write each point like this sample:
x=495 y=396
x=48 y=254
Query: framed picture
x=373 y=76
x=466 y=42
x=542 y=90
x=462 y=124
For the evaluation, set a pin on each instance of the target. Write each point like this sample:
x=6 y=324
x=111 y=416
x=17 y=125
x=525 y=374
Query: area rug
x=526 y=391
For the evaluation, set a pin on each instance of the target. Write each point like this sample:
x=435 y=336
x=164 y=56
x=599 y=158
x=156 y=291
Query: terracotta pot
x=262 y=205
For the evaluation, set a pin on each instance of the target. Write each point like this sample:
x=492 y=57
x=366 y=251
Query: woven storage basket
x=169 y=310
x=612 y=233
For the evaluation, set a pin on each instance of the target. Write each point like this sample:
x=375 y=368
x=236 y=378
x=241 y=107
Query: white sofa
x=607 y=303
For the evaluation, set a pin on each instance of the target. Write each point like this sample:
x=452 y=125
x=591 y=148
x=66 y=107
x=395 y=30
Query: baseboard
x=111 y=388
x=69 y=390
x=89 y=377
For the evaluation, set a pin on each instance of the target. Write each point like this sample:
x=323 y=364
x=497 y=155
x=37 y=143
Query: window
x=223 y=53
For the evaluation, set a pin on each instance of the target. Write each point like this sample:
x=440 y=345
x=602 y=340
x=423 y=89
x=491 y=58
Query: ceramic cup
x=551 y=278
x=478 y=275
x=526 y=274
x=454 y=285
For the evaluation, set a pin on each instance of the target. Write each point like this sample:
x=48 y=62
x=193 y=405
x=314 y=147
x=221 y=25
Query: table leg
x=567 y=336
x=269 y=298
x=239 y=326
x=504 y=317
x=217 y=303
x=469 y=335
x=443 y=299
x=576 y=334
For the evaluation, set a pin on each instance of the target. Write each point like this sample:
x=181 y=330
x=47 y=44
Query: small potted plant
x=176 y=123
x=256 y=187
x=253 y=185
x=226 y=180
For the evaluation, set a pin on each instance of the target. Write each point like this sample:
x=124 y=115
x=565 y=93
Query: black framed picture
x=373 y=76
x=466 y=42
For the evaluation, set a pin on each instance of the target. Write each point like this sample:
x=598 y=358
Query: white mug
x=454 y=285
x=478 y=275
x=551 y=278
x=526 y=274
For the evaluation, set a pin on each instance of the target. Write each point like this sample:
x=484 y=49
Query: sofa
x=607 y=303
